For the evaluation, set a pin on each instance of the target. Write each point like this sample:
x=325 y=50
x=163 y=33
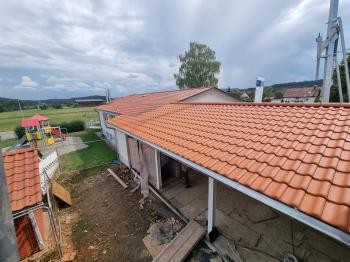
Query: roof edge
x=294 y=213
x=326 y=105
x=21 y=151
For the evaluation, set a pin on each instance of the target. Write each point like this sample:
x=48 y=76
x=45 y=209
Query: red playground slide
x=57 y=132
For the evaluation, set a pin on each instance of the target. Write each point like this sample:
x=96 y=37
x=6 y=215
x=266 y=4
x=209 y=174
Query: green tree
x=268 y=93
x=334 y=94
x=198 y=68
x=278 y=94
x=236 y=94
x=19 y=131
x=43 y=106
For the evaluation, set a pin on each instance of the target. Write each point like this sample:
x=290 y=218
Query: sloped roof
x=29 y=122
x=23 y=179
x=300 y=92
x=39 y=117
x=298 y=154
x=33 y=121
x=141 y=103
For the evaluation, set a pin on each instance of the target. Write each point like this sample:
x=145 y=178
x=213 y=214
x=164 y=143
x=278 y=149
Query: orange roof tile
x=299 y=92
x=140 y=103
x=23 y=179
x=280 y=150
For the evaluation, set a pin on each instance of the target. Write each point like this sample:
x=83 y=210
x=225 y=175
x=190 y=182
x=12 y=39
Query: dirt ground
x=106 y=222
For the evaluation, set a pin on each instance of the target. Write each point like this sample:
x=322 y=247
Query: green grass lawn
x=97 y=153
x=9 y=142
x=9 y=120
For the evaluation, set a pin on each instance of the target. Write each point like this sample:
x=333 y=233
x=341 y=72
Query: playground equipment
x=39 y=131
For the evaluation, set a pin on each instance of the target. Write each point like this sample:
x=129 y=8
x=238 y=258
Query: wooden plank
x=121 y=182
x=61 y=193
x=182 y=244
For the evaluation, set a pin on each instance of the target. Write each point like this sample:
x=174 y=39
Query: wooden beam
x=180 y=247
x=212 y=185
x=61 y=193
x=121 y=182
x=158 y=168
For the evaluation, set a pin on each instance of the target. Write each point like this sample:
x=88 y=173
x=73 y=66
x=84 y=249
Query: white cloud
x=27 y=83
x=71 y=84
x=132 y=46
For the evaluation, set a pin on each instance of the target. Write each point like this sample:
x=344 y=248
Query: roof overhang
x=107 y=111
x=28 y=122
x=294 y=213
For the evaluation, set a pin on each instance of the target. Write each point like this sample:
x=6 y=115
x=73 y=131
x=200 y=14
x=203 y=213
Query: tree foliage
x=334 y=93
x=278 y=94
x=19 y=131
x=73 y=126
x=43 y=106
x=198 y=68
x=268 y=92
x=236 y=94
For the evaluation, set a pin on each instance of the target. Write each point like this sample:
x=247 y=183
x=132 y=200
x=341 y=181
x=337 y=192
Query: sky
x=62 y=49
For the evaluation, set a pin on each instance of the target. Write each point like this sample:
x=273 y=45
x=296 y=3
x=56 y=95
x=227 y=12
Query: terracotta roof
x=300 y=92
x=298 y=154
x=141 y=103
x=33 y=121
x=23 y=179
x=39 y=117
x=29 y=122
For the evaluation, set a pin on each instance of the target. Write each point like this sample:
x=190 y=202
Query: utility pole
x=328 y=49
x=8 y=242
x=20 y=108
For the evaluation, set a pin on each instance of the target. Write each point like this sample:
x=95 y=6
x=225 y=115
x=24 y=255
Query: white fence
x=92 y=123
x=47 y=168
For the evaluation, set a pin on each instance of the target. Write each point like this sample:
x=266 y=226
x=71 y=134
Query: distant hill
x=297 y=84
x=9 y=104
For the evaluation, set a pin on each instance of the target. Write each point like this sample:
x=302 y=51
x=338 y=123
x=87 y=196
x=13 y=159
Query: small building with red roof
x=23 y=179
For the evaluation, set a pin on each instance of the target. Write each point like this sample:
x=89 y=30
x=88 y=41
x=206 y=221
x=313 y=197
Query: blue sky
x=59 y=49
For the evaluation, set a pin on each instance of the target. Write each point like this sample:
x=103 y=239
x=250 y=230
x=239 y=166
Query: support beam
x=212 y=231
x=37 y=232
x=158 y=168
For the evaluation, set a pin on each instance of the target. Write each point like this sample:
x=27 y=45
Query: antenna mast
x=328 y=50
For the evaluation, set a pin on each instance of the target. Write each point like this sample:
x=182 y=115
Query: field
x=97 y=153
x=9 y=120
x=9 y=142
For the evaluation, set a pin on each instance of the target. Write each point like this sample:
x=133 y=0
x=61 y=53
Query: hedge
x=73 y=126
x=19 y=131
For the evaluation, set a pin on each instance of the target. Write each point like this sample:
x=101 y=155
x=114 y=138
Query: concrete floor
x=259 y=233
x=69 y=145
x=6 y=135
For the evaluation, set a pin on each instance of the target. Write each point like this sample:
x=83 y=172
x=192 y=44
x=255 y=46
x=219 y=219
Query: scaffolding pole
x=8 y=242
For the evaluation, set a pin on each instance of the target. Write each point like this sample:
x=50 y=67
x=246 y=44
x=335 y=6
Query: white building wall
x=122 y=148
x=149 y=157
x=134 y=154
x=106 y=131
x=212 y=95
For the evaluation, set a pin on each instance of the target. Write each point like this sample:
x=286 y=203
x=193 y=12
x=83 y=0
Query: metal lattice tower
x=328 y=50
